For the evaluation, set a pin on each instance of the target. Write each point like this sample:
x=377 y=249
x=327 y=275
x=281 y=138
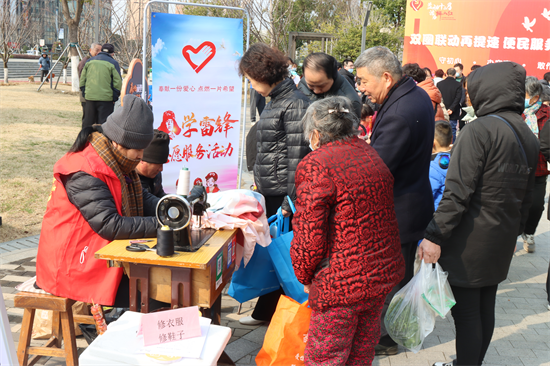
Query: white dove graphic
x=546 y=14
x=527 y=24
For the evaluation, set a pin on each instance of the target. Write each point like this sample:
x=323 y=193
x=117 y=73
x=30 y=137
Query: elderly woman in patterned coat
x=346 y=248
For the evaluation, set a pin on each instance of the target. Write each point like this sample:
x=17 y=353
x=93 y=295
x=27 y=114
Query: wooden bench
x=62 y=328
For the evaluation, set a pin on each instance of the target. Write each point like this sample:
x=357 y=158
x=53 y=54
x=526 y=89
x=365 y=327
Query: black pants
x=537 y=207
x=43 y=74
x=97 y=112
x=267 y=304
x=474 y=317
x=83 y=104
x=409 y=251
x=257 y=102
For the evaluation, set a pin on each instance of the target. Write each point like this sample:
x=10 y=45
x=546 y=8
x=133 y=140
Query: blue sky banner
x=198 y=96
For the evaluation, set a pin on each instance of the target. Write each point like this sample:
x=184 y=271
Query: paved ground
x=521 y=338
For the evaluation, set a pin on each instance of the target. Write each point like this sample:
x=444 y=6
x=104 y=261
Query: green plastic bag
x=437 y=291
x=409 y=318
x=411 y=314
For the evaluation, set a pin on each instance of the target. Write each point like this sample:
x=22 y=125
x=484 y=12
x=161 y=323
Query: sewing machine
x=176 y=211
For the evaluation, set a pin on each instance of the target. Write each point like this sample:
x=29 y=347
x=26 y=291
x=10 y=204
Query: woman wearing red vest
x=96 y=198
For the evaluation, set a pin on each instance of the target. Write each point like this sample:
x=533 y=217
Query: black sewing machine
x=176 y=212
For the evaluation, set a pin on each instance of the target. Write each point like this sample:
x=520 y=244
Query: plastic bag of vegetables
x=437 y=291
x=409 y=318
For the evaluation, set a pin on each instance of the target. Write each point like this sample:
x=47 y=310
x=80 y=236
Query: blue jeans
x=453 y=128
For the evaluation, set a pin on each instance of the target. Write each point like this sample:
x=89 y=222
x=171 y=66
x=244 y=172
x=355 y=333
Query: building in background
x=48 y=23
x=134 y=13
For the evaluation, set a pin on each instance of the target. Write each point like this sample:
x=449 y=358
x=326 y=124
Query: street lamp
x=364 y=35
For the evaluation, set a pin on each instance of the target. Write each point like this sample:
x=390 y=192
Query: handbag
x=286 y=337
x=279 y=250
x=256 y=279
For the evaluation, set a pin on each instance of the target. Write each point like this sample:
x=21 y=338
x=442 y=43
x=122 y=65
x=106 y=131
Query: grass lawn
x=36 y=129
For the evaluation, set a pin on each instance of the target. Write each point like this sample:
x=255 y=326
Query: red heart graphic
x=416 y=4
x=186 y=49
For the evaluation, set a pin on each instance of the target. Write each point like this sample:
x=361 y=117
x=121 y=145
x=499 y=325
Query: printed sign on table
x=198 y=96
x=441 y=34
x=170 y=326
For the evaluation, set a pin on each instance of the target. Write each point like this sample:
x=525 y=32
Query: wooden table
x=184 y=279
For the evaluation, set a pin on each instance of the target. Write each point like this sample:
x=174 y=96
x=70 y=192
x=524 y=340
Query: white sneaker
x=248 y=320
x=444 y=364
x=528 y=242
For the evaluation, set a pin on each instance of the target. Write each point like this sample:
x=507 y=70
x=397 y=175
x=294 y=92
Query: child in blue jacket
x=440 y=159
x=441 y=155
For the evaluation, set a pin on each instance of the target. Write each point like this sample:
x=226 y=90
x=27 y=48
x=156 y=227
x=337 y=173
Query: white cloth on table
x=242 y=209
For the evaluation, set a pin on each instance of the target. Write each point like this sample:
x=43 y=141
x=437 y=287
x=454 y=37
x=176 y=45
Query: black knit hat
x=107 y=47
x=158 y=150
x=130 y=125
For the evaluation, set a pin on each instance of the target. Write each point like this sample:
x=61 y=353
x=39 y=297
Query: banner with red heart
x=206 y=49
x=416 y=4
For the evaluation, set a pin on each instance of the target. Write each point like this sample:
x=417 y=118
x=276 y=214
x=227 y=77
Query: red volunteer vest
x=65 y=264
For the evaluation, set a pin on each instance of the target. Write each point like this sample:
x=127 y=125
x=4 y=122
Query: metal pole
x=364 y=35
x=96 y=21
x=144 y=54
x=245 y=104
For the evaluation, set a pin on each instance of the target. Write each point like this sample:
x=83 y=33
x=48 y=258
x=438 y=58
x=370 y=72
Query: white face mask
x=351 y=70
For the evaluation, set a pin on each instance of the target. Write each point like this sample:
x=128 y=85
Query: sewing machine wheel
x=174 y=211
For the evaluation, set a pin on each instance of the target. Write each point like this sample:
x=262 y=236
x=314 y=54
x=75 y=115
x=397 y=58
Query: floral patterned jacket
x=346 y=240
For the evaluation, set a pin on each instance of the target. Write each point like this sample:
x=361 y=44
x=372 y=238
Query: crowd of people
x=387 y=164
x=457 y=193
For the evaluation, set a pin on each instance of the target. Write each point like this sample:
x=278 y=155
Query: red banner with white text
x=441 y=34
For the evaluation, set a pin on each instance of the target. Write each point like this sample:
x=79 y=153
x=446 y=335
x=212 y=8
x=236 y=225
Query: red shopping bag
x=286 y=336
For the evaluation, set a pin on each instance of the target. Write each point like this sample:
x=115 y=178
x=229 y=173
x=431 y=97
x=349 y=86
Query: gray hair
x=94 y=45
x=379 y=60
x=532 y=86
x=451 y=71
x=332 y=117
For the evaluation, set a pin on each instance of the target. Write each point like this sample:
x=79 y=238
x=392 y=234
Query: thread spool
x=165 y=241
x=183 y=183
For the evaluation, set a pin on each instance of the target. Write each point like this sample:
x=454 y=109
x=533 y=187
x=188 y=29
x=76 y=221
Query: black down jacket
x=488 y=190
x=95 y=202
x=340 y=88
x=544 y=137
x=280 y=141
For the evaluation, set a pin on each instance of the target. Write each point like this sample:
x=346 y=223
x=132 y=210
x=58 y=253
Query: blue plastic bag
x=279 y=250
x=256 y=279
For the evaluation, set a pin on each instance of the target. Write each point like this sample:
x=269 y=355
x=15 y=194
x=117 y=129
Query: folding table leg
x=181 y=278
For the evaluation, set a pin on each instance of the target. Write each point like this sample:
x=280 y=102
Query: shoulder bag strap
x=517 y=138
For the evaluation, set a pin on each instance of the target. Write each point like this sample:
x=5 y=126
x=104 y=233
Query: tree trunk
x=64 y=76
x=75 y=59
x=5 y=60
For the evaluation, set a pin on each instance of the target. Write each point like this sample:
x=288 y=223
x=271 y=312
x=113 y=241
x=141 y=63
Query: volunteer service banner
x=440 y=34
x=198 y=96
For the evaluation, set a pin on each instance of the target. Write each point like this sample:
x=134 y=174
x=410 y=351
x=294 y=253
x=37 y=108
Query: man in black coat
x=451 y=91
x=544 y=137
x=403 y=135
x=488 y=193
x=321 y=80
x=347 y=71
